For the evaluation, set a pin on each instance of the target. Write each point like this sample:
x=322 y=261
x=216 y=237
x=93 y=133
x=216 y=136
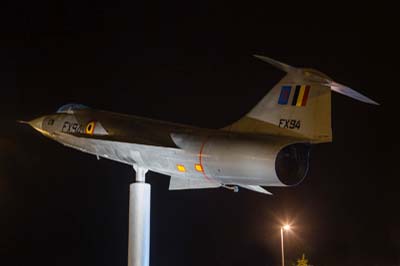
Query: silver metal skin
x=269 y=146
x=224 y=157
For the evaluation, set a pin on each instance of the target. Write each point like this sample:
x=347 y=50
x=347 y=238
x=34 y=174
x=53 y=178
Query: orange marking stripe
x=201 y=159
x=90 y=128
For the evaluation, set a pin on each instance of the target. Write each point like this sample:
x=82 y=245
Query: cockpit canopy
x=71 y=107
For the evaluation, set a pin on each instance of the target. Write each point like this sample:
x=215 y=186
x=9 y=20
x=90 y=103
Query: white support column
x=139 y=220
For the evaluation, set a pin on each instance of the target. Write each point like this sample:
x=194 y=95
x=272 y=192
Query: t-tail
x=298 y=106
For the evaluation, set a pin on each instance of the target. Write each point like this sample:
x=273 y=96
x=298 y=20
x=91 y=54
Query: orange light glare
x=180 y=168
x=198 y=167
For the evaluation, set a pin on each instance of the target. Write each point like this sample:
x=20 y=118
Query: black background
x=191 y=63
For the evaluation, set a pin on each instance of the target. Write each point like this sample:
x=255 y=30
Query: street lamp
x=285 y=227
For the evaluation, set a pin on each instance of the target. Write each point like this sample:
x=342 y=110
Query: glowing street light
x=285 y=227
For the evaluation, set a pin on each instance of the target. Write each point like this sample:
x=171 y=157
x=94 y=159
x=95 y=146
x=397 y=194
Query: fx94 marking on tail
x=289 y=123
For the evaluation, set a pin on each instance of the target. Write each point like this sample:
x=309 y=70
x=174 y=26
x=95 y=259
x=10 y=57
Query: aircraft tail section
x=299 y=105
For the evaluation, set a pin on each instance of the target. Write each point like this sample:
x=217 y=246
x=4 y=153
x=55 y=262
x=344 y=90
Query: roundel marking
x=89 y=129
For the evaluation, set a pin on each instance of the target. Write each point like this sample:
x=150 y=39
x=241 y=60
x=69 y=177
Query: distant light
x=286 y=227
x=181 y=168
x=198 y=167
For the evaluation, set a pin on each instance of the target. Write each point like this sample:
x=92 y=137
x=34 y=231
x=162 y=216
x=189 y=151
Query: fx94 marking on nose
x=69 y=127
x=289 y=123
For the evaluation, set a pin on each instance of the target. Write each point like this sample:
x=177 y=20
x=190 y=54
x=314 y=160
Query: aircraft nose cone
x=37 y=123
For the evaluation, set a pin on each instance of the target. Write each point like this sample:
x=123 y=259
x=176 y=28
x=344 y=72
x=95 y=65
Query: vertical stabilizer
x=299 y=105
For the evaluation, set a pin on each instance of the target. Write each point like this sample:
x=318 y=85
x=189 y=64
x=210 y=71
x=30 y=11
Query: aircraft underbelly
x=214 y=161
x=158 y=159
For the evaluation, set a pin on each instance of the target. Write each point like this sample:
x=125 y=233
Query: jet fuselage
x=214 y=156
x=269 y=146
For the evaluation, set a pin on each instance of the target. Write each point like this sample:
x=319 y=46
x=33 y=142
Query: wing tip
x=374 y=103
x=349 y=92
x=280 y=65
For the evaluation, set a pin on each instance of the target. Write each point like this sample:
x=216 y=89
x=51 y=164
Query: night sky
x=191 y=63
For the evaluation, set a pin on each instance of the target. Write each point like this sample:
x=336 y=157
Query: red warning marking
x=201 y=159
x=305 y=96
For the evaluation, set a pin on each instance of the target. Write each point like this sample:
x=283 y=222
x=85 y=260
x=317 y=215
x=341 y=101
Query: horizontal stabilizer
x=342 y=89
x=317 y=77
x=258 y=189
x=277 y=64
x=180 y=183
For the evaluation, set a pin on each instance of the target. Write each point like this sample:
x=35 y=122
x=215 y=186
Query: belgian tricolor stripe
x=284 y=96
x=296 y=95
x=301 y=95
x=305 y=95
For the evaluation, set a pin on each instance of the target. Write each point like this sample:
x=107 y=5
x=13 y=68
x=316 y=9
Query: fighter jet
x=270 y=146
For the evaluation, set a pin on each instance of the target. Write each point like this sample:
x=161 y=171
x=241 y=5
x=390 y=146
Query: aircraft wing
x=258 y=189
x=180 y=183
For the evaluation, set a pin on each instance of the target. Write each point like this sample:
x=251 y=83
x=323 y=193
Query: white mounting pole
x=283 y=252
x=139 y=220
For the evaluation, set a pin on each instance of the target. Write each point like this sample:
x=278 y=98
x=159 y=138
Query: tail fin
x=299 y=105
